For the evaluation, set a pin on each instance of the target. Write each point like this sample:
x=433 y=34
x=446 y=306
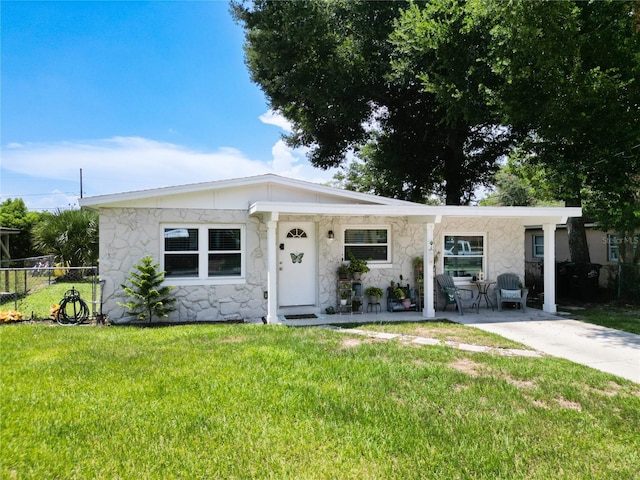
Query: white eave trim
x=527 y=215
x=347 y=195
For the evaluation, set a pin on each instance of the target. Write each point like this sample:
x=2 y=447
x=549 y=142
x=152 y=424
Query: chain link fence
x=18 y=283
x=622 y=281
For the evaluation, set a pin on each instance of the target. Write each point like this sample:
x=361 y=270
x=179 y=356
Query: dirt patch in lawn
x=568 y=404
x=468 y=366
x=356 y=342
x=522 y=384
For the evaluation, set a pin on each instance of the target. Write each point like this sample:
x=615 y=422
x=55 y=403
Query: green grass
x=37 y=305
x=249 y=401
x=443 y=331
x=625 y=318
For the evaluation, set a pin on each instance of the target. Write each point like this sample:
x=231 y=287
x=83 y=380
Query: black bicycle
x=73 y=309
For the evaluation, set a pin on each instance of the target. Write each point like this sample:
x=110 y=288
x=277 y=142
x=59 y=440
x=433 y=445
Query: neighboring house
x=603 y=248
x=266 y=246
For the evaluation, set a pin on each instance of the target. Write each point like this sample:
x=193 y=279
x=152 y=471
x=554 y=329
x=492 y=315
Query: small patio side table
x=483 y=292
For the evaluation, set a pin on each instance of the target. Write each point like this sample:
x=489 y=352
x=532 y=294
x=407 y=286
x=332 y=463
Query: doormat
x=300 y=317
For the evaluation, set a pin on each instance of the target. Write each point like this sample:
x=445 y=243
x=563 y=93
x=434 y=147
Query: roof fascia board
x=529 y=215
x=101 y=200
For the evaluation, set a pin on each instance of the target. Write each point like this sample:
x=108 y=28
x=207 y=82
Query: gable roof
x=340 y=195
x=274 y=195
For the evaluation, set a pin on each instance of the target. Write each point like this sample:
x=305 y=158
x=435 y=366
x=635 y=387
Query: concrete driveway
x=604 y=349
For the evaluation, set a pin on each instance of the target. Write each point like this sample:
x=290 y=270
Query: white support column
x=428 y=310
x=549 y=267
x=272 y=270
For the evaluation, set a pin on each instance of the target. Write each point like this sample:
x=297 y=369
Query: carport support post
x=428 y=310
x=549 y=267
x=272 y=270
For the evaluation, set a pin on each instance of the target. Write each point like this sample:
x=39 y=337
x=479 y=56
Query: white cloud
x=273 y=117
x=122 y=164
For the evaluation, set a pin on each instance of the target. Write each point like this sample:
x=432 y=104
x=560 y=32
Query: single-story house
x=603 y=244
x=266 y=246
x=603 y=247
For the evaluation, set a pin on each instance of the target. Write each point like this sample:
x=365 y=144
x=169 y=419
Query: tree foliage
x=521 y=183
x=430 y=94
x=149 y=297
x=333 y=69
x=14 y=214
x=570 y=73
x=70 y=235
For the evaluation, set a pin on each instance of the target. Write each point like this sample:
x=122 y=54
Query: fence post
x=15 y=290
x=619 y=295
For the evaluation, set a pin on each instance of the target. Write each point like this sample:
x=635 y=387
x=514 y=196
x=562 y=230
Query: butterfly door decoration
x=296 y=257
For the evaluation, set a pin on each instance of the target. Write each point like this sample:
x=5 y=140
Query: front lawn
x=625 y=318
x=254 y=401
x=443 y=331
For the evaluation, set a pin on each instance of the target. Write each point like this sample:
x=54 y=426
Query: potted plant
x=374 y=293
x=344 y=296
x=343 y=271
x=357 y=267
x=399 y=294
x=406 y=303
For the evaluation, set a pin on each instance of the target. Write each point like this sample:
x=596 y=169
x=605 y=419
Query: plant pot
x=406 y=303
x=343 y=301
x=356 y=276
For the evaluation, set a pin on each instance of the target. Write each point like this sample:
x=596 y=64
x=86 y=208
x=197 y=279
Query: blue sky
x=136 y=94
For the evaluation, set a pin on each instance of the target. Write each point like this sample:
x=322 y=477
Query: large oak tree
x=332 y=69
x=570 y=74
x=430 y=94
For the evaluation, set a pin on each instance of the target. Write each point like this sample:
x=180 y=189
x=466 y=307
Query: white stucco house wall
x=232 y=248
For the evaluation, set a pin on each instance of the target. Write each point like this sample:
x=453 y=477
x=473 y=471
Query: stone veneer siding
x=128 y=234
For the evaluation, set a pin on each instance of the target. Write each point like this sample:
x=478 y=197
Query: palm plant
x=70 y=235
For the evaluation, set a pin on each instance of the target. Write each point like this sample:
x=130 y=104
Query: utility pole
x=80 y=183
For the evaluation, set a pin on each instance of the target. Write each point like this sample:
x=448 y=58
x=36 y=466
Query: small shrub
x=150 y=297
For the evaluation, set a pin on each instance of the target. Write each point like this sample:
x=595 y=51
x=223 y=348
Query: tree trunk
x=454 y=168
x=578 y=246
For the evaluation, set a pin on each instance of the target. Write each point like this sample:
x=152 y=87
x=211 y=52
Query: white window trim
x=614 y=240
x=534 y=245
x=485 y=254
x=373 y=263
x=203 y=255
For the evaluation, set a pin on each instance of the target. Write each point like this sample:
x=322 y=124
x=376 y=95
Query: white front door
x=297 y=264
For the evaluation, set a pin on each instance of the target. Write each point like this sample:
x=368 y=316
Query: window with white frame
x=613 y=245
x=367 y=243
x=203 y=252
x=538 y=246
x=464 y=255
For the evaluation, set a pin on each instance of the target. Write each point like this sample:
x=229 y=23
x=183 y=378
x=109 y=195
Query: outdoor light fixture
x=330 y=234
